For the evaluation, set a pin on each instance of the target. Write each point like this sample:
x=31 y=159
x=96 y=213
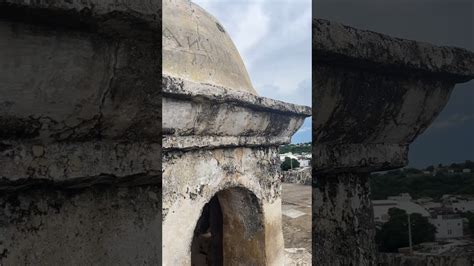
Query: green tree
x=288 y=163
x=394 y=233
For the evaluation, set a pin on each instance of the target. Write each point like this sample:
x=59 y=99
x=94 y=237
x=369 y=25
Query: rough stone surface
x=196 y=47
x=373 y=115
x=51 y=94
x=220 y=143
x=390 y=259
x=203 y=173
x=215 y=116
x=80 y=126
x=75 y=163
x=297 y=257
x=343 y=45
x=93 y=226
x=372 y=96
x=298 y=176
x=343 y=226
x=191 y=178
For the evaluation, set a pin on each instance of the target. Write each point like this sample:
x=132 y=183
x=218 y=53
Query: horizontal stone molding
x=183 y=89
x=358 y=158
x=77 y=86
x=212 y=142
x=127 y=18
x=374 y=94
x=73 y=164
x=339 y=44
x=200 y=116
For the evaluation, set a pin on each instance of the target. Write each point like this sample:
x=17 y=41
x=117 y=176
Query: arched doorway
x=230 y=230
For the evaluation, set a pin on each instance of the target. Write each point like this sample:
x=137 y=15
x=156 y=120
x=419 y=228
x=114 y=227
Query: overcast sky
x=274 y=40
x=443 y=22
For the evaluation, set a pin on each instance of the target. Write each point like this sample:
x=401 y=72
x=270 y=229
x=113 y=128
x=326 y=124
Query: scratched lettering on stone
x=201 y=49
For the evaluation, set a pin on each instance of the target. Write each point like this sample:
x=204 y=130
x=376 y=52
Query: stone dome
x=196 y=47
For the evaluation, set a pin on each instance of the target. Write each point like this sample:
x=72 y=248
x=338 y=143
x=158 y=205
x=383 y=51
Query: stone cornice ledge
x=135 y=19
x=213 y=142
x=183 y=89
x=201 y=116
x=78 y=164
x=374 y=94
x=367 y=157
x=340 y=44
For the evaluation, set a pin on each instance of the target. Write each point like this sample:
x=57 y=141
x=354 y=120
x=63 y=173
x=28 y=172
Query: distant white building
x=448 y=226
x=429 y=203
x=304 y=163
x=289 y=155
x=381 y=208
x=466 y=171
x=400 y=197
x=303 y=159
x=462 y=206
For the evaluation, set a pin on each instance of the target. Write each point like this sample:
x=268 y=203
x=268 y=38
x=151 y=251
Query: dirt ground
x=296 y=210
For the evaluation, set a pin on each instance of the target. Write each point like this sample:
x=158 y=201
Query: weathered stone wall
x=372 y=96
x=298 y=176
x=220 y=143
x=388 y=259
x=199 y=175
x=80 y=125
x=216 y=142
x=101 y=225
x=343 y=227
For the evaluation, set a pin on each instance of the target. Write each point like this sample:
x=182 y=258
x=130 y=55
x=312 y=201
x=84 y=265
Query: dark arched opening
x=207 y=247
x=230 y=231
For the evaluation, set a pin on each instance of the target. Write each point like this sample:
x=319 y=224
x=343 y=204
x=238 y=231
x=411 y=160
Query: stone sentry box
x=372 y=96
x=80 y=132
x=221 y=179
x=81 y=139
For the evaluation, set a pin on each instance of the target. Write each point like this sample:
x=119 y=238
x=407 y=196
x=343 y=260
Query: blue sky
x=274 y=40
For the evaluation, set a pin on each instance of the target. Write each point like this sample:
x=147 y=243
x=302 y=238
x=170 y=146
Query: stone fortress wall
x=221 y=176
x=372 y=96
x=82 y=150
x=80 y=126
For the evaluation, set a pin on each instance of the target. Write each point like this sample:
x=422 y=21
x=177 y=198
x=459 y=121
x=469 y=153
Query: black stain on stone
x=219 y=26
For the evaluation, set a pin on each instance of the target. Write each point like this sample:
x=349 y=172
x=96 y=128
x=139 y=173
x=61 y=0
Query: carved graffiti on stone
x=192 y=44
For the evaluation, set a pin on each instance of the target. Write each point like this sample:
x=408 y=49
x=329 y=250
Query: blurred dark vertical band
x=382 y=74
x=80 y=132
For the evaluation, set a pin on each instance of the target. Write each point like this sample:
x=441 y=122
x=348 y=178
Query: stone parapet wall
x=215 y=116
x=106 y=225
x=301 y=176
x=343 y=228
x=223 y=143
x=80 y=126
x=347 y=46
x=389 y=259
x=372 y=96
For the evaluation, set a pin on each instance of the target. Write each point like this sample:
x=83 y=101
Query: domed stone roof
x=196 y=47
